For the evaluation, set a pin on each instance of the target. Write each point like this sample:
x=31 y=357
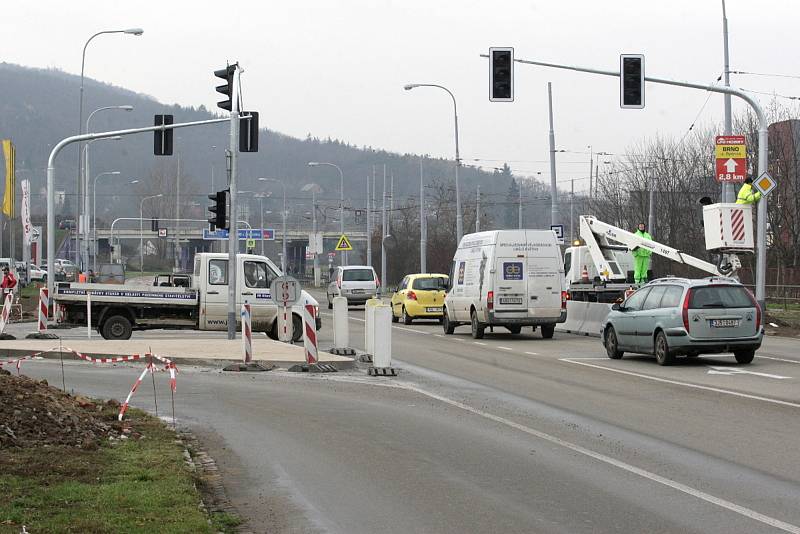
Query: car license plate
x=433 y=309
x=510 y=300
x=354 y=291
x=724 y=323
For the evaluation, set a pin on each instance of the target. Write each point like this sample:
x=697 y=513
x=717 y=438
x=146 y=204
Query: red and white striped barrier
x=6 y=311
x=247 y=334
x=18 y=361
x=124 y=407
x=44 y=305
x=169 y=365
x=310 y=334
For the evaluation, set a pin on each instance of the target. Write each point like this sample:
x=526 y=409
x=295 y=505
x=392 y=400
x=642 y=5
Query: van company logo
x=512 y=270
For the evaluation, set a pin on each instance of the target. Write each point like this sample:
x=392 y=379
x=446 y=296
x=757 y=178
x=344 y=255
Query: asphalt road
x=508 y=434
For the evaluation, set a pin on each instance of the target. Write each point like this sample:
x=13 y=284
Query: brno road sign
x=285 y=290
x=731 y=158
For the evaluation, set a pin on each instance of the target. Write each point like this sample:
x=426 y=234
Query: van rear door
x=511 y=288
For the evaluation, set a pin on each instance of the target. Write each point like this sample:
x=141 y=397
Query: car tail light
x=564 y=299
x=686 y=300
x=490 y=300
x=411 y=295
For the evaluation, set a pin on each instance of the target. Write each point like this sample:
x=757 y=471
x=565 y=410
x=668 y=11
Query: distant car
x=357 y=283
x=675 y=316
x=38 y=274
x=419 y=296
x=66 y=224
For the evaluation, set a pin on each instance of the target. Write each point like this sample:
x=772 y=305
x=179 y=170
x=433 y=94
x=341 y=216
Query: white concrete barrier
x=369 y=317
x=584 y=318
x=341 y=325
x=382 y=326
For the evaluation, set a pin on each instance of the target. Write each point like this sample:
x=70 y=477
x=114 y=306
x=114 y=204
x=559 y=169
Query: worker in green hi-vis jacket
x=641 y=257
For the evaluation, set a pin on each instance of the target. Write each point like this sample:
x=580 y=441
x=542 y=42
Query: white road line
x=686 y=384
x=532 y=353
x=747 y=512
x=438 y=335
x=505 y=348
x=479 y=343
x=776 y=359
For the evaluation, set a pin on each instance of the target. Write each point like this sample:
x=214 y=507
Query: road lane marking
x=504 y=348
x=747 y=512
x=532 y=353
x=736 y=371
x=479 y=343
x=679 y=383
x=776 y=359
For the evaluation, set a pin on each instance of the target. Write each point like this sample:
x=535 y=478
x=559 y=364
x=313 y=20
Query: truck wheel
x=612 y=345
x=744 y=356
x=447 y=326
x=663 y=355
x=117 y=327
x=548 y=330
x=477 y=327
x=514 y=328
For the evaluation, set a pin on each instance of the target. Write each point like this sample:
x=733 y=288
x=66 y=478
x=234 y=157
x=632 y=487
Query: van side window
x=218 y=272
x=653 y=300
x=255 y=274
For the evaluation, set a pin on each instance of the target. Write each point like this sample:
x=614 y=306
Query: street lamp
x=459 y=221
x=283 y=219
x=128 y=31
x=141 y=230
x=86 y=228
x=315 y=188
x=342 y=260
x=94 y=209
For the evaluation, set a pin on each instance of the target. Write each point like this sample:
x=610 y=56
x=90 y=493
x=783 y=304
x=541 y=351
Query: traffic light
x=162 y=139
x=219 y=210
x=227 y=88
x=631 y=80
x=248 y=132
x=501 y=74
x=154 y=225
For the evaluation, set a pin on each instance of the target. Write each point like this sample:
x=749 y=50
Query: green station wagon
x=676 y=316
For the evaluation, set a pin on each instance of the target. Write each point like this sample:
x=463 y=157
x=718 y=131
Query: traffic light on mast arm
x=162 y=139
x=219 y=210
x=631 y=81
x=501 y=74
x=226 y=88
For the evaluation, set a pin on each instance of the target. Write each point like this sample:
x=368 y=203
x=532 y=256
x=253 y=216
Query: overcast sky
x=337 y=68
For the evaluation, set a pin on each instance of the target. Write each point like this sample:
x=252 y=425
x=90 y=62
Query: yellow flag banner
x=11 y=182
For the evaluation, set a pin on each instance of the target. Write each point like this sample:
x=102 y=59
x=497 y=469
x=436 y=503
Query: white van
x=509 y=278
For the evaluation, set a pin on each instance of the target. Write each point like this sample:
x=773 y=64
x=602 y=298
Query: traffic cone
x=585 y=275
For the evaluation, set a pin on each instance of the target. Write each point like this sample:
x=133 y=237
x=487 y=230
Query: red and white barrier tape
x=124 y=407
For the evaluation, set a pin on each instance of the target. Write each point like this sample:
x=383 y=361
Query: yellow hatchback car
x=419 y=296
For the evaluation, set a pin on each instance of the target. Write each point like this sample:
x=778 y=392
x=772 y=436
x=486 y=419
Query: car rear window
x=358 y=275
x=721 y=297
x=431 y=284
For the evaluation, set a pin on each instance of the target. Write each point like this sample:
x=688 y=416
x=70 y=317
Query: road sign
x=162 y=232
x=220 y=234
x=344 y=243
x=731 y=154
x=250 y=243
x=285 y=291
x=765 y=183
x=315 y=243
x=559 y=231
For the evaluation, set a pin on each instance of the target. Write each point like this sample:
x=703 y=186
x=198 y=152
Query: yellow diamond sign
x=344 y=243
x=765 y=183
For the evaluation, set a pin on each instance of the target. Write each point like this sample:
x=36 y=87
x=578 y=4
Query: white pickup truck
x=198 y=302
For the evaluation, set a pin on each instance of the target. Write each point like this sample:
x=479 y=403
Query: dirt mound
x=33 y=413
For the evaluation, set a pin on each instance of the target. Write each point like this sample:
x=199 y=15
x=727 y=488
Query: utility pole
x=383 y=235
x=423 y=224
x=391 y=203
x=572 y=206
x=374 y=204
x=177 y=215
x=554 y=216
x=478 y=210
x=369 y=227
x=233 y=232
x=519 y=187
x=591 y=165
x=727 y=188
x=314 y=228
x=651 y=210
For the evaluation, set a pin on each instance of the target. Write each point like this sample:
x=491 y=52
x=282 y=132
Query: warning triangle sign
x=344 y=243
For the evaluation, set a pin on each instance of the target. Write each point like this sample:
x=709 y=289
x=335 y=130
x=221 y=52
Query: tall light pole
x=727 y=188
x=83 y=222
x=86 y=226
x=141 y=230
x=315 y=188
x=459 y=221
x=94 y=204
x=129 y=31
x=283 y=220
x=342 y=260
x=423 y=223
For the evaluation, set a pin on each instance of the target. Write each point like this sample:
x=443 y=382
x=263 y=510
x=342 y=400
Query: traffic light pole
x=51 y=176
x=233 y=232
x=761 y=235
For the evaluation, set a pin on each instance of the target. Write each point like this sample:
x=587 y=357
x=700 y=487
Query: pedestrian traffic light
x=501 y=74
x=226 y=88
x=219 y=210
x=248 y=132
x=631 y=80
x=162 y=139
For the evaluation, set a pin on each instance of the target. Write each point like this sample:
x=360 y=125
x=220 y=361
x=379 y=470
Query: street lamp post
x=86 y=226
x=94 y=210
x=283 y=220
x=342 y=257
x=129 y=31
x=459 y=220
x=141 y=230
x=83 y=222
x=315 y=188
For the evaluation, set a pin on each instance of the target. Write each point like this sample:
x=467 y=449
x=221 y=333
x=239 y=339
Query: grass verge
x=135 y=486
